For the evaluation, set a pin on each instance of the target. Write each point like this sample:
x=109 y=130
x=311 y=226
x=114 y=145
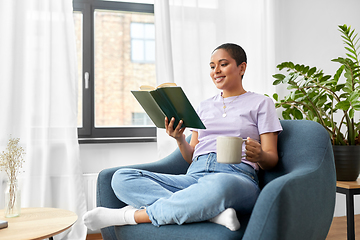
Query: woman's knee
x=121 y=180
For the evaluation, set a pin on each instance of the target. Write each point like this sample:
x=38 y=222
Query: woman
x=209 y=190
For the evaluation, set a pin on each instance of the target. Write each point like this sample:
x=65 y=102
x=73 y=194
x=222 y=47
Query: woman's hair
x=235 y=51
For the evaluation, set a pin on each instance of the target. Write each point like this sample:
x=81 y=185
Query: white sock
x=228 y=219
x=101 y=217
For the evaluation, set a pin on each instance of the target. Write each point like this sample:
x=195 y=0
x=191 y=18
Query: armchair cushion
x=296 y=202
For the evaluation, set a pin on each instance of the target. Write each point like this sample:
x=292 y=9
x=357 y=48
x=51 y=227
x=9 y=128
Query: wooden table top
x=349 y=184
x=37 y=223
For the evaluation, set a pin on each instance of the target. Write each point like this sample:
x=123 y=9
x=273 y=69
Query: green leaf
x=292 y=87
x=351 y=56
x=277 y=82
x=350 y=50
x=344 y=95
x=311 y=115
x=283 y=65
x=354 y=96
x=338 y=74
x=297 y=114
x=356 y=105
x=339 y=60
x=305 y=70
x=321 y=101
x=343 y=105
x=286 y=115
x=291 y=77
x=279 y=76
x=325 y=78
x=343 y=27
x=276 y=96
x=348 y=75
x=311 y=71
x=292 y=95
x=298 y=67
x=339 y=87
x=351 y=113
x=347 y=89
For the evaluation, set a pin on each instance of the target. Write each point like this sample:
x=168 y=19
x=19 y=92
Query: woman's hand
x=178 y=132
x=186 y=149
x=264 y=154
x=253 y=150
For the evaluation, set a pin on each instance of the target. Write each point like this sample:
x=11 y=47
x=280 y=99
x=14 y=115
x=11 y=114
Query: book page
x=146 y=88
x=151 y=88
x=167 y=85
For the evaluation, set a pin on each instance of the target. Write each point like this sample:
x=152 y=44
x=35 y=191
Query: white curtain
x=187 y=31
x=38 y=103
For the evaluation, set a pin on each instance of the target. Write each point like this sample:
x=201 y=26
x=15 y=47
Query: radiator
x=90 y=189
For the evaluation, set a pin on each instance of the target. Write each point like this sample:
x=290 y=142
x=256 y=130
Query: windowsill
x=116 y=140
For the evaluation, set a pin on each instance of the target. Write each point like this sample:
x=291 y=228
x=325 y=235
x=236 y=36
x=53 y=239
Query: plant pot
x=347 y=162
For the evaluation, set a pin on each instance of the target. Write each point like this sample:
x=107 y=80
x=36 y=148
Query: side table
x=349 y=188
x=37 y=223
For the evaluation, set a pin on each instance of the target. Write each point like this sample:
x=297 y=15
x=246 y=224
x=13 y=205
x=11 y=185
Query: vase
x=12 y=200
x=347 y=162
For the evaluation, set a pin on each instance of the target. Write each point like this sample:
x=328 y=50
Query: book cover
x=168 y=100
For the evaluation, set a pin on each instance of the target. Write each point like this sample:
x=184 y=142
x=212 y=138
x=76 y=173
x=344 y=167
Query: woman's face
x=224 y=72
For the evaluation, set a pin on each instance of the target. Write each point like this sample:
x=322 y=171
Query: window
x=141 y=119
x=142 y=42
x=116 y=54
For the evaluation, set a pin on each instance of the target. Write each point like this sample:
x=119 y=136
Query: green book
x=168 y=100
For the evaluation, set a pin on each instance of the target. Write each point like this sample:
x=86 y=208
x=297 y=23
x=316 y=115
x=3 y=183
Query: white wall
x=307 y=33
x=96 y=157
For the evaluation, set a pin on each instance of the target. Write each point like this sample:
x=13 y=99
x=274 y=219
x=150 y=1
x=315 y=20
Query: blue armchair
x=297 y=199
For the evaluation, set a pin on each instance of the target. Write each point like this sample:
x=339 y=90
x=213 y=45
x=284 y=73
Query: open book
x=168 y=100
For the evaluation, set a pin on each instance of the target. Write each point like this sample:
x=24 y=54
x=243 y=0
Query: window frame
x=88 y=133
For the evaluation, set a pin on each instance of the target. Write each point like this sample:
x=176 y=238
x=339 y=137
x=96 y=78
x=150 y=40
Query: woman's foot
x=101 y=217
x=228 y=219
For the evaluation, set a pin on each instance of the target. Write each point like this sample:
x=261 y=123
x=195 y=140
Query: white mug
x=229 y=149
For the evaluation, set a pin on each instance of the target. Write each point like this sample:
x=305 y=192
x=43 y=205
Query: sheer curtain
x=187 y=31
x=38 y=103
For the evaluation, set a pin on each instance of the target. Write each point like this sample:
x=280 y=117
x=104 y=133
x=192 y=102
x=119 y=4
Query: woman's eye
x=212 y=67
x=224 y=64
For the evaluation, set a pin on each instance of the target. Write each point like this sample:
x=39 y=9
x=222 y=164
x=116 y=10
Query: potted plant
x=329 y=100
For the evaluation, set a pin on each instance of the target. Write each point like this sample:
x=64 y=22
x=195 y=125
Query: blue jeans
x=207 y=189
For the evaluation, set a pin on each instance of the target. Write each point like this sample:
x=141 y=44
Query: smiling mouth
x=219 y=79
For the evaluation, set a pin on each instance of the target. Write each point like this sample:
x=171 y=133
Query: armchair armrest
x=299 y=204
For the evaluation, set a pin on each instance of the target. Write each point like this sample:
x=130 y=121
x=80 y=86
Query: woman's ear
x=242 y=68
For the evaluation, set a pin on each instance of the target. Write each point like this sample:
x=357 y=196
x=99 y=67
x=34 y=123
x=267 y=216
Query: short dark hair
x=235 y=51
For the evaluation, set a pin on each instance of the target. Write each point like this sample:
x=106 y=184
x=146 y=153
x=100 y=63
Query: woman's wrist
x=181 y=140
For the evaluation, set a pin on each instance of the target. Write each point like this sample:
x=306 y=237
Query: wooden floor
x=337 y=230
x=96 y=236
